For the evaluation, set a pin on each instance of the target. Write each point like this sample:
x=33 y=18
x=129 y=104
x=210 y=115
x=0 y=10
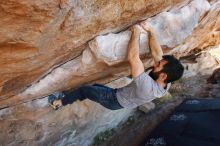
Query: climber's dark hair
x=173 y=68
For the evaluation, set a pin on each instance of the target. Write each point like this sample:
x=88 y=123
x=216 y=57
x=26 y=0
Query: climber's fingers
x=146 y=27
x=136 y=29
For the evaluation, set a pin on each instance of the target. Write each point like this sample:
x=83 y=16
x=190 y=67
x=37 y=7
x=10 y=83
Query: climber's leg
x=99 y=93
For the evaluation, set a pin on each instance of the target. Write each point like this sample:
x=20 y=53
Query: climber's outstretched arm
x=154 y=45
x=136 y=64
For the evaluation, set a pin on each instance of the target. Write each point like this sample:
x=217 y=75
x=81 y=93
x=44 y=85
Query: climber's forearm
x=136 y=64
x=133 y=47
x=155 y=47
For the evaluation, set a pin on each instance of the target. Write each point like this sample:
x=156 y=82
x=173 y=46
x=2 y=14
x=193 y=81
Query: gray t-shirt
x=141 y=90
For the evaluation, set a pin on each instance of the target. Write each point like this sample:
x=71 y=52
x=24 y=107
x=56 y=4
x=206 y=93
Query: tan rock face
x=36 y=36
x=54 y=45
x=206 y=34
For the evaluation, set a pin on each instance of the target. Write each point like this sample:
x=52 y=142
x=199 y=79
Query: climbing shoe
x=53 y=97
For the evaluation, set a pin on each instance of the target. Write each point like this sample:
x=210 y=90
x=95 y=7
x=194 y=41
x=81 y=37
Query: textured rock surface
x=111 y=49
x=38 y=36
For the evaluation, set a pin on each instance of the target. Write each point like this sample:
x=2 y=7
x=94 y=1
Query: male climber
x=144 y=88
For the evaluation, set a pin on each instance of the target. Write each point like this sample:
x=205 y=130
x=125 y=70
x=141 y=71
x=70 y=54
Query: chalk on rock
x=112 y=48
x=171 y=28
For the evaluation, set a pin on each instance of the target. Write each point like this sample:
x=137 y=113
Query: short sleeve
x=146 y=86
x=143 y=78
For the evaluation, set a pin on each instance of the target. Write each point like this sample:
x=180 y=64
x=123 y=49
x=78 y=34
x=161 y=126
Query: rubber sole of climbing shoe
x=53 y=97
x=53 y=106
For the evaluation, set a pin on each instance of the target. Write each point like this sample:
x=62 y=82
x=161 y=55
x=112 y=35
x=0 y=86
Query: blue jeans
x=101 y=94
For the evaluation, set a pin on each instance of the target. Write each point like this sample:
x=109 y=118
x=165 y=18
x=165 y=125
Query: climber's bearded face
x=154 y=75
x=157 y=69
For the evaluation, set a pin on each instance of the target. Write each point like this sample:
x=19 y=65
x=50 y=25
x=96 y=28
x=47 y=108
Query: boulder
x=56 y=45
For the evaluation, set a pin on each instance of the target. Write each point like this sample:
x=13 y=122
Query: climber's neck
x=161 y=83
